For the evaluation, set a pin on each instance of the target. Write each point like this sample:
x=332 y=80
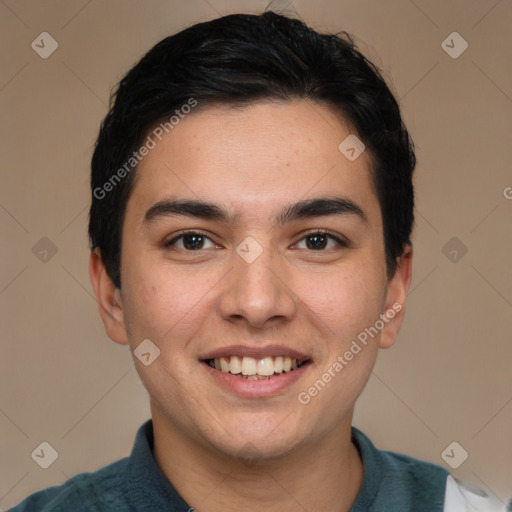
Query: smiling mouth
x=256 y=369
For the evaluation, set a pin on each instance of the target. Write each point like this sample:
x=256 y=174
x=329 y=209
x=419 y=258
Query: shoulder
x=429 y=480
x=89 y=492
x=418 y=481
x=395 y=481
x=406 y=483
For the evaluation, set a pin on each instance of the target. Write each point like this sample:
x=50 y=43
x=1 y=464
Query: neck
x=324 y=475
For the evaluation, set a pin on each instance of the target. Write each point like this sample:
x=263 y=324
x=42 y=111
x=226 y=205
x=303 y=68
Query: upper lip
x=255 y=352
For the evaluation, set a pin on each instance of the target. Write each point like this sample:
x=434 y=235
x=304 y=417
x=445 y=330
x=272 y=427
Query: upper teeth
x=251 y=366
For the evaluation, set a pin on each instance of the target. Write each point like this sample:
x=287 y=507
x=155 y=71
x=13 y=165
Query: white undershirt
x=464 y=497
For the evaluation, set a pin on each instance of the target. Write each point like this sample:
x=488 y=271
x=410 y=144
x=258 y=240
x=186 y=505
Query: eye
x=319 y=240
x=190 y=241
x=195 y=240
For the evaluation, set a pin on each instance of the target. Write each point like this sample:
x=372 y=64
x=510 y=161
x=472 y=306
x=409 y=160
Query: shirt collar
x=149 y=486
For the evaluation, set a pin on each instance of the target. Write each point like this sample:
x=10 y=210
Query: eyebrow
x=305 y=209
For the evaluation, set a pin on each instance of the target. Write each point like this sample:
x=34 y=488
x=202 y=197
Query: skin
x=252 y=161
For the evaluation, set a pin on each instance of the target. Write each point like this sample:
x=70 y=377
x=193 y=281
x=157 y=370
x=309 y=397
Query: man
x=252 y=206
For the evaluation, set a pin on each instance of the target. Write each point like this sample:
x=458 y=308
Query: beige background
x=449 y=376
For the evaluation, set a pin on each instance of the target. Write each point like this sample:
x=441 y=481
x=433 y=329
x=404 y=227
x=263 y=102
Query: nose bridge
x=257 y=272
x=256 y=287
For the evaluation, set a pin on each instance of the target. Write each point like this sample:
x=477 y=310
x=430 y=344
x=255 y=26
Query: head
x=247 y=113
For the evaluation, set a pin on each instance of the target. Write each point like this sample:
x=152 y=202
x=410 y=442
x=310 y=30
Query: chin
x=249 y=451
x=252 y=440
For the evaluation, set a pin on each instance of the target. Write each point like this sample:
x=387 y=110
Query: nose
x=258 y=292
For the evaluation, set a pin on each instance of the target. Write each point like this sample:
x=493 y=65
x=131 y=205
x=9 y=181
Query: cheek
x=147 y=300
x=163 y=304
x=347 y=300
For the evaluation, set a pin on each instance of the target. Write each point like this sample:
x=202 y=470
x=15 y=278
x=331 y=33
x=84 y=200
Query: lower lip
x=252 y=388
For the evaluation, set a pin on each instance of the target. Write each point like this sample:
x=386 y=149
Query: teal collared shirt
x=392 y=482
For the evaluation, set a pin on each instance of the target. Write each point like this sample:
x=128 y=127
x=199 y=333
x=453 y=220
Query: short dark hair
x=240 y=59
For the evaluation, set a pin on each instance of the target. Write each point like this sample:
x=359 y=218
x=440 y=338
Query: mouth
x=254 y=368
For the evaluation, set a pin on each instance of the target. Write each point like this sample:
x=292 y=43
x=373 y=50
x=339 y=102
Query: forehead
x=254 y=158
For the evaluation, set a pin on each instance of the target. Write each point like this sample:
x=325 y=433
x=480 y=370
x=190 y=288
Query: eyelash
x=321 y=232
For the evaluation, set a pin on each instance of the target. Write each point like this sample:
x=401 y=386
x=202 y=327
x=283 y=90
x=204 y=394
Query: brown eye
x=190 y=241
x=319 y=240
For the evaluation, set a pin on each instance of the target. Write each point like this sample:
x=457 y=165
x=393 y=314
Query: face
x=251 y=283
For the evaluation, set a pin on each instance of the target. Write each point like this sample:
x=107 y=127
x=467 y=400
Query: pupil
x=193 y=239
x=319 y=241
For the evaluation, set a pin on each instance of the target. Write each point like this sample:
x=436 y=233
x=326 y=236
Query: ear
x=394 y=308
x=109 y=299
